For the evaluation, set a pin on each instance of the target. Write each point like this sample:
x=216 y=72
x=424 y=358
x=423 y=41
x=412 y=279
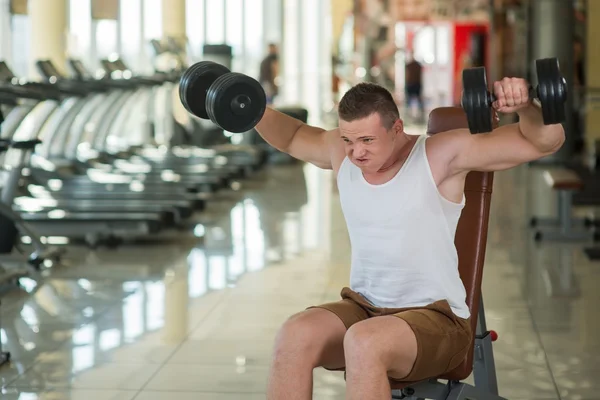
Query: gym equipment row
x=83 y=158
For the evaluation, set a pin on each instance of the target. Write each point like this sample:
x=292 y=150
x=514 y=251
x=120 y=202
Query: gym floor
x=196 y=318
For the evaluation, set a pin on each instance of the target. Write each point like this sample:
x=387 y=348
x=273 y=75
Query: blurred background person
x=269 y=70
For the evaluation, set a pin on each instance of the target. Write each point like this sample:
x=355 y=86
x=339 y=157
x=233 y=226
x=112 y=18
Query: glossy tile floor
x=195 y=318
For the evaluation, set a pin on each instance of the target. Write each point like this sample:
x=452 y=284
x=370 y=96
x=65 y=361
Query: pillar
x=176 y=303
x=339 y=14
x=5 y=40
x=48 y=20
x=552 y=34
x=173 y=19
x=592 y=82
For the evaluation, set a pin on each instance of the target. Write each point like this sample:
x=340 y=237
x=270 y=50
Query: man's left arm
x=509 y=145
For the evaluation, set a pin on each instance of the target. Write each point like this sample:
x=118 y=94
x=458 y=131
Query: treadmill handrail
x=31 y=92
x=25 y=144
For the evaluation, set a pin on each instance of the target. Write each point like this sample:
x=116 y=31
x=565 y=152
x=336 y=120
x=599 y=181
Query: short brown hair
x=365 y=99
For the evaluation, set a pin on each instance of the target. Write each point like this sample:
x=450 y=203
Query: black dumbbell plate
x=236 y=102
x=476 y=100
x=194 y=84
x=551 y=90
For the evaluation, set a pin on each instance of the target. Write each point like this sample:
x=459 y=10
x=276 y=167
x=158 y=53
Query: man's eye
x=368 y=140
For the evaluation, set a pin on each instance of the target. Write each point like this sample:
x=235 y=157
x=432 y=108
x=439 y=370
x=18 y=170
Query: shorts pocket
x=457 y=359
x=464 y=341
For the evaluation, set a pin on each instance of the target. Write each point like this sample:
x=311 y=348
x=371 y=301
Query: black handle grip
x=532 y=94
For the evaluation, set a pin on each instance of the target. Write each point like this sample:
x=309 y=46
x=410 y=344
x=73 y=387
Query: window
x=194 y=23
x=5 y=35
x=80 y=29
x=152 y=19
x=131 y=31
x=310 y=54
x=21 y=37
x=215 y=21
x=291 y=51
x=106 y=38
x=443 y=44
x=424 y=45
x=272 y=17
x=253 y=33
x=235 y=25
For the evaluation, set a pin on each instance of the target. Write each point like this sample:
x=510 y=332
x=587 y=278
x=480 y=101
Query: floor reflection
x=71 y=323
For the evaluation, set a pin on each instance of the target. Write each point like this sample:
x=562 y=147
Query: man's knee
x=360 y=343
x=366 y=343
x=298 y=339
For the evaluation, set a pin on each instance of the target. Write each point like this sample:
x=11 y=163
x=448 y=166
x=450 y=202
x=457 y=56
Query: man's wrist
x=532 y=110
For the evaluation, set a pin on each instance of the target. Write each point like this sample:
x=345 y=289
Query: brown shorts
x=443 y=339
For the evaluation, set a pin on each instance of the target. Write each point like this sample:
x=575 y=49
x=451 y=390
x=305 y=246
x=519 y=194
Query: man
x=404 y=316
x=269 y=70
x=578 y=93
x=413 y=89
x=578 y=50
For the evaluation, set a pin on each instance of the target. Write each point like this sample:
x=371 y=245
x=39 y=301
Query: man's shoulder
x=336 y=148
x=441 y=149
x=450 y=138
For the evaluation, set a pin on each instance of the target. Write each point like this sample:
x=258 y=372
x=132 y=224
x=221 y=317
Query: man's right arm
x=294 y=137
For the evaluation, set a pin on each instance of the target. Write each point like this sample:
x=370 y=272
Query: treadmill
x=247 y=158
x=11 y=224
x=50 y=137
x=199 y=178
x=179 y=209
x=93 y=227
x=57 y=117
x=113 y=146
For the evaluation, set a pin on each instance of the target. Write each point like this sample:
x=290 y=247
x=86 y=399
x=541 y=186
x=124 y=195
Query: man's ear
x=398 y=126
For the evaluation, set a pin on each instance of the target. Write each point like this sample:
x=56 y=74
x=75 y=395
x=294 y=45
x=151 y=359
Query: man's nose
x=359 y=150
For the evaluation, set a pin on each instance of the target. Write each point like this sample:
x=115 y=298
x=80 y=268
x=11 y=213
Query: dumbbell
x=233 y=101
x=551 y=92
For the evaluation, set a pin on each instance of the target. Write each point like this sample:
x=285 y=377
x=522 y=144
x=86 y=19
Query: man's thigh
x=443 y=340
x=348 y=313
x=416 y=344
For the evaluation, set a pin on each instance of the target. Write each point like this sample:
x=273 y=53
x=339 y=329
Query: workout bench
x=471 y=238
x=566 y=183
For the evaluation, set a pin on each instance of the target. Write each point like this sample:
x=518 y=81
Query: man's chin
x=368 y=168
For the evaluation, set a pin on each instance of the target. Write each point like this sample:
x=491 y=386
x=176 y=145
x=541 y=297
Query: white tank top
x=402 y=236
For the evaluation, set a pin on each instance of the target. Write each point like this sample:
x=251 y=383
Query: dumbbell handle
x=532 y=94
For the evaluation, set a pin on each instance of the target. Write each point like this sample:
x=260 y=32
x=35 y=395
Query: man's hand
x=512 y=94
x=507 y=146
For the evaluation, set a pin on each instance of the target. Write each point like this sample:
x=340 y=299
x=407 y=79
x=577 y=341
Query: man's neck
x=398 y=155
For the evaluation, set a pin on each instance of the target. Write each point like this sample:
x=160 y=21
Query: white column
x=5 y=40
x=173 y=19
x=48 y=33
x=176 y=303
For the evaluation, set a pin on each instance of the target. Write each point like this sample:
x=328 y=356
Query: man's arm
x=509 y=145
x=294 y=137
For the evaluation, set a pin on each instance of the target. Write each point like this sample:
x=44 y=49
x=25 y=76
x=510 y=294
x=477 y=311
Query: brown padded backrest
x=472 y=230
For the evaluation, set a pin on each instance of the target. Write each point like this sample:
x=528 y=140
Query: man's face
x=273 y=49
x=369 y=144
